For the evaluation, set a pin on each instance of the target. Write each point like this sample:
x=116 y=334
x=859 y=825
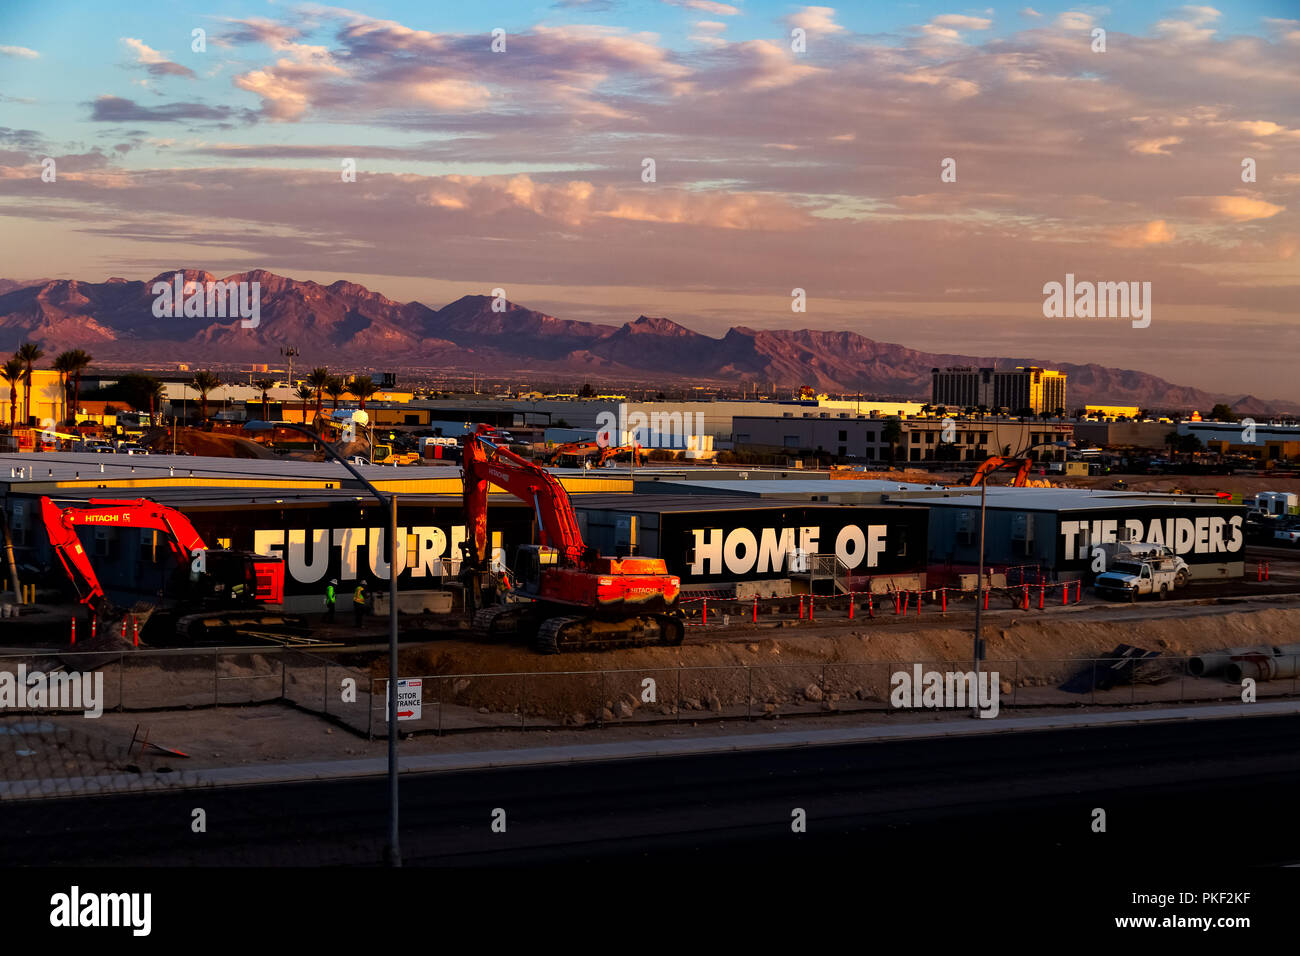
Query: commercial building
x=48 y=402
x=1265 y=440
x=1112 y=411
x=1026 y=388
x=975 y=439
x=920 y=439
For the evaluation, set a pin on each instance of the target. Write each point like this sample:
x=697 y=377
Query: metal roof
x=141 y=475
x=662 y=504
x=800 y=486
x=1057 y=499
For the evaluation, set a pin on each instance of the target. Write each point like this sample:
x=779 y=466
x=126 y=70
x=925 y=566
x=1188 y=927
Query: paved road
x=1212 y=791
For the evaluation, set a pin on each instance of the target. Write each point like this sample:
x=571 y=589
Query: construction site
x=632 y=599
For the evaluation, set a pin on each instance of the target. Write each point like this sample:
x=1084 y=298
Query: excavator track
x=580 y=633
x=500 y=622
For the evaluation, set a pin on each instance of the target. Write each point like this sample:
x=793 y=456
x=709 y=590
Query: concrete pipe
x=1283 y=662
x=1203 y=665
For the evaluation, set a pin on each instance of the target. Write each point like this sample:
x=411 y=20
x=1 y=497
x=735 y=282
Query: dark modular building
x=1059 y=528
x=709 y=540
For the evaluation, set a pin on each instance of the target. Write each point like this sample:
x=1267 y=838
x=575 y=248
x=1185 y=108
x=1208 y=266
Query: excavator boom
x=996 y=462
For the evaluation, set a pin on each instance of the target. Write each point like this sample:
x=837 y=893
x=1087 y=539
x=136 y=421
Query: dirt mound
x=194 y=441
x=814 y=667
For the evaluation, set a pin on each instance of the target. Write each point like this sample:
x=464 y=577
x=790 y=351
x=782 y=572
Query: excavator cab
x=530 y=561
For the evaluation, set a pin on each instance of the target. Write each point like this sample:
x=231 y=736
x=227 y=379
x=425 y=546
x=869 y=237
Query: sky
x=778 y=164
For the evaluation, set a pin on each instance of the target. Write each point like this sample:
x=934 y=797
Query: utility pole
x=289 y=353
x=977 y=650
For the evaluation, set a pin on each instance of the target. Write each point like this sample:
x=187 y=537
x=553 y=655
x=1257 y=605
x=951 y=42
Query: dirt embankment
x=816 y=668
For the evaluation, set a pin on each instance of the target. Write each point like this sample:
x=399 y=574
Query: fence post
x=677 y=704
x=215 y=695
x=325 y=690
x=370 y=711
x=850 y=605
x=1094 y=680
x=523 y=703
x=121 y=682
x=283 y=671
x=600 y=719
x=1015 y=688
x=749 y=692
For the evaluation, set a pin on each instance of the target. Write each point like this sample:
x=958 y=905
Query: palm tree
x=318 y=379
x=306 y=393
x=203 y=383
x=12 y=372
x=335 y=388
x=28 y=353
x=80 y=361
x=156 y=391
x=64 y=363
x=263 y=385
x=362 y=386
x=892 y=432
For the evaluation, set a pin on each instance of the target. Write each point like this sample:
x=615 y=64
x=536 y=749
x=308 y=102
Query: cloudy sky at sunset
x=774 y=169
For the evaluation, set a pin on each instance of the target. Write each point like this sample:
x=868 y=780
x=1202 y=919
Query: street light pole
x=977 y=652
x=392 y=852
x=979 y=594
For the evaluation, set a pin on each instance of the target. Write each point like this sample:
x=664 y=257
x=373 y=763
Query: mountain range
x=345 y=324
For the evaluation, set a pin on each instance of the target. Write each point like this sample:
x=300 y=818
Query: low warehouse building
x=1058 y=529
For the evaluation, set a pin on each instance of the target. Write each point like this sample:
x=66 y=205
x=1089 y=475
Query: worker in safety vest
x=330 y=596
x=359 y=604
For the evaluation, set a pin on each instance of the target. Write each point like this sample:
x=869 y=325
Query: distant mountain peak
x=345 y=324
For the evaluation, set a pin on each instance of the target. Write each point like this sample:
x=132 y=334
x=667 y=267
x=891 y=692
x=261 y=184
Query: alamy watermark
x=680 y=430
x=950 y=689
x=1098 y=300
x=59 y=690
x=208 y=300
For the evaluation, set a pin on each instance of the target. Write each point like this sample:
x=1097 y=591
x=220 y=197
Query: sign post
x=410 y=698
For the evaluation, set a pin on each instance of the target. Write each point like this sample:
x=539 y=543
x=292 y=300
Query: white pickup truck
x=1288 y=535
x=1133 y=578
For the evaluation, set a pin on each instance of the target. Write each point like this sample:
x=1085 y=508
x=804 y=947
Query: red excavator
x=587 y=450
x=992 y=464
x=213 y=592
x=566 y=595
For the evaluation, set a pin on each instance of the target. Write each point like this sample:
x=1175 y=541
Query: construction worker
x=330 y=596
x=359 y=604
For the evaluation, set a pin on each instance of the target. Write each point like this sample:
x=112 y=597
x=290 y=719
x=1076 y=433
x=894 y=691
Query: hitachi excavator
x=213 y=592
x=566 y=596
x=589 y=450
